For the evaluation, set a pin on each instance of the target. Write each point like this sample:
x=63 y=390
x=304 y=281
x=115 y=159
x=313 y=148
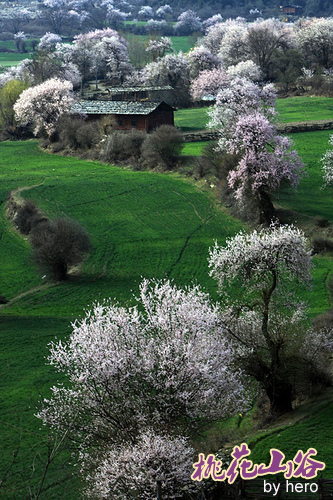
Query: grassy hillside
x=141 y=224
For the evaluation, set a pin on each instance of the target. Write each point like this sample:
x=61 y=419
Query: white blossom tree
x=42 y=106
x=258 y=275
x=327 y=162
x=49 y=41
x=209 y=82
x=158 y=48
x=265 y=38
x=163 y=365
x=164 y=10
x=187 y=23
x=202 y=59
x=315 y=39
x=172 y=69
x=133 y=470
x=146 y=12
x=245 y=69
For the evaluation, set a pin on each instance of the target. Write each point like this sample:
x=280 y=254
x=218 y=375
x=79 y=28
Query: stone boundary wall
x=283 y=128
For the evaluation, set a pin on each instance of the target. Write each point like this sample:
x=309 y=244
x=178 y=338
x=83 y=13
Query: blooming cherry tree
x=202 y=59
x=167 y=366
x=240 y=97
x=315 y=39
x=49 y=41
x=164 y=10
x=245 y=69
x=265 y=159
x=211 y=21
x=42 y=105
x=262 y=159
x=158 y=48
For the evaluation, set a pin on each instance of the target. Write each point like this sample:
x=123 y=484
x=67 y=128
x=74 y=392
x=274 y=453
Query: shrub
x=322 y=245
x=59 y=245
x=123 y=147
x=76 y=133
x=28 y=216
x=162 y=147
x=322 y=222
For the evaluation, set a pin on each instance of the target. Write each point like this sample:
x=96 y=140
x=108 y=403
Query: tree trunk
x=266 y=208
x=278 y=389
x=279 y=393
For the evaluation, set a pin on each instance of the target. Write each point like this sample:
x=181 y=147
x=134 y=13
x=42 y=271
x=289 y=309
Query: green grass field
x=305 y=108
x=293 y=109
x=8 y=59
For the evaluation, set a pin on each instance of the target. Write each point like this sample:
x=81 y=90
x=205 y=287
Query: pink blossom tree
x=265 y=160
x=257 y=276
x=262 y=159
x=209 y=82
x=42 y=106
x=202 y=59
x=164 y=364
x=240 y=97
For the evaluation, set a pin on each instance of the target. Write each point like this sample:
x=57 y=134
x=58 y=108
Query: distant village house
x=124 y=108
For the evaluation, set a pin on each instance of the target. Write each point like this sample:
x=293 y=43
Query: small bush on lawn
x=58 y=245
x=322 y=245
x=162 y=148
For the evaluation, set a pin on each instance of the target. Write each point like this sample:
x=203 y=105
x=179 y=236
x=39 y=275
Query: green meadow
x=293 y=109
x=141 y=224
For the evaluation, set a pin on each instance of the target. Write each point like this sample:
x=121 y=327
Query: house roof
x=116 y=107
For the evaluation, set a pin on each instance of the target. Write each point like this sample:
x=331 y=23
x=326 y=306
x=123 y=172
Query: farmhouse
x=290 y=10
x=142 y=115
x=124 y=108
